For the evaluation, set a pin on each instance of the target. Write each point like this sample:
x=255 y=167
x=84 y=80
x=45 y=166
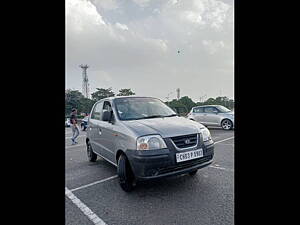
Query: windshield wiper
x=171 y=115
x=153 y=116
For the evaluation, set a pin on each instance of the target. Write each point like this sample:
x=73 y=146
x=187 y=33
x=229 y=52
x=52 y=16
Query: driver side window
x=107 y=107
x=210 y=109
x=97 y=112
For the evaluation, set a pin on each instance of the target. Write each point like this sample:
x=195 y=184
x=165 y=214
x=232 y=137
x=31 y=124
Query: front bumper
x=154 y=164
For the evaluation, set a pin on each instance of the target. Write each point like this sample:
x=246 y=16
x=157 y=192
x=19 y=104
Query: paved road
x=204 y=199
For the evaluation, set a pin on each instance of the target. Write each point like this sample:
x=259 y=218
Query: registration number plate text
x=185 y=156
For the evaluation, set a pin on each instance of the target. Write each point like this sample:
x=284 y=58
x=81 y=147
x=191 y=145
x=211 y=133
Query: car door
x=93 y=129
x=106 y=135
x=198 y=114
x=210 y=115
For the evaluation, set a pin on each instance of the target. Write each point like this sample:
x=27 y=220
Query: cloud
x=134 y=44
x=121 y=26
x=82 y=13
x=106 y=4
x=213 y=46
x=141 y=3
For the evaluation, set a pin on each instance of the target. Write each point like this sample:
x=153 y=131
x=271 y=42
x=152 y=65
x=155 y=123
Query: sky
x=135 y=43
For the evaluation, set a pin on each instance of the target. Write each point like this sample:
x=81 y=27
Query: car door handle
x=100 y=131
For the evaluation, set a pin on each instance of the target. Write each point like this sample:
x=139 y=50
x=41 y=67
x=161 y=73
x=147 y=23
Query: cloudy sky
x=135 y=43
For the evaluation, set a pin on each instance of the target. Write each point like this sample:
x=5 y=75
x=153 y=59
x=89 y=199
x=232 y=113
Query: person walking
x=75 y=129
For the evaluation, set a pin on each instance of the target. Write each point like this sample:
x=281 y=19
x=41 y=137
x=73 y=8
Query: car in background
x=84 y=123
x=213 y=115
x=145 y=139
x=67 y=122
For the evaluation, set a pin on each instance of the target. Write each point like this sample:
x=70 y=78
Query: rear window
x=210 y=109
x=198 y=110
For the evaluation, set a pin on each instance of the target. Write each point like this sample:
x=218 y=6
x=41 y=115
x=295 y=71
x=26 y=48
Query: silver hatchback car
x=213 y=115
x=145 y=139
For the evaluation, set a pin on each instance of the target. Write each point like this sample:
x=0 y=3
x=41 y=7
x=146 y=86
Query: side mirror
x=106 y=116
x=216 y=112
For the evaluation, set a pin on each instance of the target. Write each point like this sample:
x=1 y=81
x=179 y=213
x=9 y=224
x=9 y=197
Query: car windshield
x=141 y=108
x=223 y=109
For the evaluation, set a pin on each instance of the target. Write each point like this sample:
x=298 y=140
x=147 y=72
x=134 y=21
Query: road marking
x=224 y=140
x=221 y=168
x=97 y=182
x=74 y=146
x=86 y=210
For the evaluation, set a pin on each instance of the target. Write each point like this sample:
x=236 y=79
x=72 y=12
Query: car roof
x=130 y=96
x=205 y=106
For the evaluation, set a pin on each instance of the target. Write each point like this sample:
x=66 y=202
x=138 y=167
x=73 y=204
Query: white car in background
x=213 y=115
x=67 y=122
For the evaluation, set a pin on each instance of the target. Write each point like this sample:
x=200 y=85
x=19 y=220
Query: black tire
x=91 y=155
x=125 y=174
x=226 y=124
x=193 y=173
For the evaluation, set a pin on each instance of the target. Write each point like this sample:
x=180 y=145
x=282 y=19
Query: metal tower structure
x=178 y=93
x=85 y=81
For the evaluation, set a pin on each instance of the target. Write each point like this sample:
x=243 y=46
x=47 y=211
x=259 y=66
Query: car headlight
x=206 y=134
x=150 y=142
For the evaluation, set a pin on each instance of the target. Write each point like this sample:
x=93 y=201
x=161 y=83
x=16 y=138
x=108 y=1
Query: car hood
x=166 y=127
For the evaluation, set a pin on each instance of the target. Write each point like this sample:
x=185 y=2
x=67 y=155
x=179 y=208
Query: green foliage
x=188 y=102
x=125 y=92
x=86 y=105
x=224 y=101
x=72 y=100
x=102 y=93
x=178 y=107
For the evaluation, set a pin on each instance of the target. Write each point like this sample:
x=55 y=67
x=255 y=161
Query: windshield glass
x=223 y=109
x=141 y=108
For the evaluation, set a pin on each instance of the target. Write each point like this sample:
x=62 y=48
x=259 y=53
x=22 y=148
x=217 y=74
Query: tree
x=177 y=106
x=72 y=100
x=86 y=105
x=102 y=93
x=188 y=102
x=125 y=92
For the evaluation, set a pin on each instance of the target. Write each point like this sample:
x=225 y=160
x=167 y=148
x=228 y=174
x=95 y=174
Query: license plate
x=185 y=156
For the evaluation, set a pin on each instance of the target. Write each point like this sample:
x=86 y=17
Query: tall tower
x=85 y=81
x=178 y=93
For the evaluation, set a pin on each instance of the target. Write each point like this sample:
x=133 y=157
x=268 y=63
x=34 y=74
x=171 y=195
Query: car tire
x=91 y=155
x=125 y=174
x=193 y=173
x=226 y=124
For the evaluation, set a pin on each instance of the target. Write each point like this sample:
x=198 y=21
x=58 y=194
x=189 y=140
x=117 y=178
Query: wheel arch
x=119 y=152
x=225 y=119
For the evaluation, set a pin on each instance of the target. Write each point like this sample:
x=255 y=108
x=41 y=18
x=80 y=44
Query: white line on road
x=221 y=168
x=97 y=182
x=224 y=140
x=74 y=146
x=86 y=210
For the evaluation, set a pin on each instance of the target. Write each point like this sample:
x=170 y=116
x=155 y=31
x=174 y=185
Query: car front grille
x=185 y=141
